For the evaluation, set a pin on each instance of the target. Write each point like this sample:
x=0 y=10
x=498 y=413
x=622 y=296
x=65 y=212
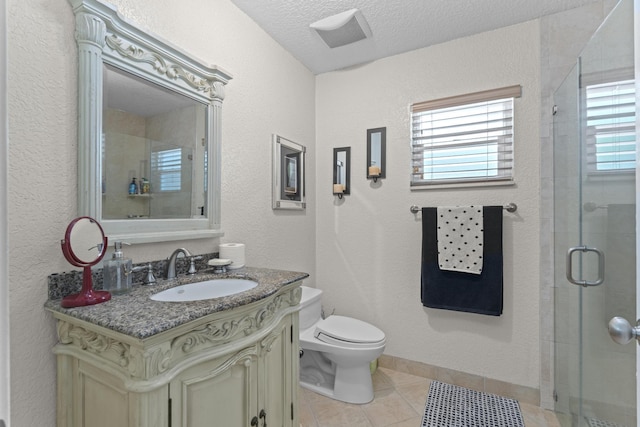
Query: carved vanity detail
x=224 y=368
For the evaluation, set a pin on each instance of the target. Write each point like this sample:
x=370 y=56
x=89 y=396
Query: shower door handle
x=621 y=331
x=584 y=249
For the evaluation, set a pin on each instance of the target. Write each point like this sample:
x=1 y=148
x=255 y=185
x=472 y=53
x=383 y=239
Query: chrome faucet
x=171 y=262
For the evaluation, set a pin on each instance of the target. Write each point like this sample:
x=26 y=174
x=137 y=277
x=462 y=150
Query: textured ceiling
x=397 y=25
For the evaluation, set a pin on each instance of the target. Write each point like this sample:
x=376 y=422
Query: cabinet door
x=221 y=392
x=103 y=400
x=276 y=389
x=90 y=396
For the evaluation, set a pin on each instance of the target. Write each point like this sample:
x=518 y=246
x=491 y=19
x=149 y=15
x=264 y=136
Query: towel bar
x=509 y=207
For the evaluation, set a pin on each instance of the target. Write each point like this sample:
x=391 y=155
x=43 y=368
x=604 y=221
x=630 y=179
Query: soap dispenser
x=117 y=271
x=133 y=187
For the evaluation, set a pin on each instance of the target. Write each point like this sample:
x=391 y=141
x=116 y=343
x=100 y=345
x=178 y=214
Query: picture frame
x=288 y=174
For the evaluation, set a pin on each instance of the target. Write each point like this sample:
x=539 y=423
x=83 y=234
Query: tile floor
x=399 y=402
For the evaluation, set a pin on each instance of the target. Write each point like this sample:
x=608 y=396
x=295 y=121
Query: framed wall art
x=288 y=174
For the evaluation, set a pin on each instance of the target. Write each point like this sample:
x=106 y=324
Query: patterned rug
x=452 y=406
x=594 y=422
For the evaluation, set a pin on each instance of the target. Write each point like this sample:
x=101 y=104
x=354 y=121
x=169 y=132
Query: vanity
x=229 y=361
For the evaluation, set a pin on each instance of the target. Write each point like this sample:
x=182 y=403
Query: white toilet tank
x=310 y=307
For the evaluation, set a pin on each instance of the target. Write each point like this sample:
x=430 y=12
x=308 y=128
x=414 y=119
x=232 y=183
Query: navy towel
x=451 y=290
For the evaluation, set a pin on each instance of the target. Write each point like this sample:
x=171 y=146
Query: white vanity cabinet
x=248 y=387
x=236 y=367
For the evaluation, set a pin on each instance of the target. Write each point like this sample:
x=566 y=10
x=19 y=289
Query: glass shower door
x=594 y=229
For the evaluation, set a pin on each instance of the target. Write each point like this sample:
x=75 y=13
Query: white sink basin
x=215 y=288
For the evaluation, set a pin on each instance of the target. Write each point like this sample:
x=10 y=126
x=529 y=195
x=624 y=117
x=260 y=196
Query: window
x=167 y=167
x=611 y=131
x=463 y=139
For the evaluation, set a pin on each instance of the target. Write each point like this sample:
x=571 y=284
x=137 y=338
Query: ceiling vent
x=342 y=29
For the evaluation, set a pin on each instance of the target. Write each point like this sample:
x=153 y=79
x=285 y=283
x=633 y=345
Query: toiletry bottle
x=133 y=186
x=116 y=272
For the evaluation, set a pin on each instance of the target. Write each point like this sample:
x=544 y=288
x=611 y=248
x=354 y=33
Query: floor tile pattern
x=399 y=402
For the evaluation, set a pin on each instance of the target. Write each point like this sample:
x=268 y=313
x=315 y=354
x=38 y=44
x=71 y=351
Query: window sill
x=420 y=187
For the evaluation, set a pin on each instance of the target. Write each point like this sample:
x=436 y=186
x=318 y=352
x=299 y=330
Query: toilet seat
x=341 y=330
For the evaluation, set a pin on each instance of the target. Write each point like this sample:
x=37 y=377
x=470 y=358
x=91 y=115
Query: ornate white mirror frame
x=104 y=37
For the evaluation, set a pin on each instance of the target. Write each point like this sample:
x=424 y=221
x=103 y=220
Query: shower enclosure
x=595 y=229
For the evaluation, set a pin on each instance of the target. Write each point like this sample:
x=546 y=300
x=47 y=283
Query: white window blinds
x=167 y=167
x=611 y=131
x=467 y=138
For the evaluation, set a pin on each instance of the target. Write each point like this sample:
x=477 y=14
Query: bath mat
x=594 y=422
x=452 y=406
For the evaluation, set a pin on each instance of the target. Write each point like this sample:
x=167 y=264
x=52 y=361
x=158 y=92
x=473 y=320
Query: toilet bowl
x=337 y=352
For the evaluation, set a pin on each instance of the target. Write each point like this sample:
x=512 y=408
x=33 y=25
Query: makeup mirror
x=288 y=174
x=85 y=240
x=84 y=245
x=341 y=171
x=146 y=110
x=376 y=153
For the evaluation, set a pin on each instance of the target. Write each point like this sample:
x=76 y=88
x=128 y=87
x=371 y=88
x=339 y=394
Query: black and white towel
x=453 y=290
x=460 y=238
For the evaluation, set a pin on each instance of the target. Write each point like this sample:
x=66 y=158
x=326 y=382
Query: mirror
x=84 y=245
x=342 y=171
x=152 y=164
x=288 y=174
x=85 y=240
x=376 y=153
x=151 y=112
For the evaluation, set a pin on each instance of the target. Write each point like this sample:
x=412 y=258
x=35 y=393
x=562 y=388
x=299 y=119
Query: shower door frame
x=636 y=57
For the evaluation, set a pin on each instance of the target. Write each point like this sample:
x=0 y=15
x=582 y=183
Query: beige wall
x=369 y=245
x=271 y=93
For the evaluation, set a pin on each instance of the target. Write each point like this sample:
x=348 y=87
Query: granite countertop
x=136 y=315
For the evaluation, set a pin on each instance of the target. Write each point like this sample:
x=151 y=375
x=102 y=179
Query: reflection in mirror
x=376 y=158
x=288 y=174
x=341 y=171
x=290 y=177
x=149 y=111
x=154 y=151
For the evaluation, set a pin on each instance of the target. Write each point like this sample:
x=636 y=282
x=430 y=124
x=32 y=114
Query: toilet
x=336 y=352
